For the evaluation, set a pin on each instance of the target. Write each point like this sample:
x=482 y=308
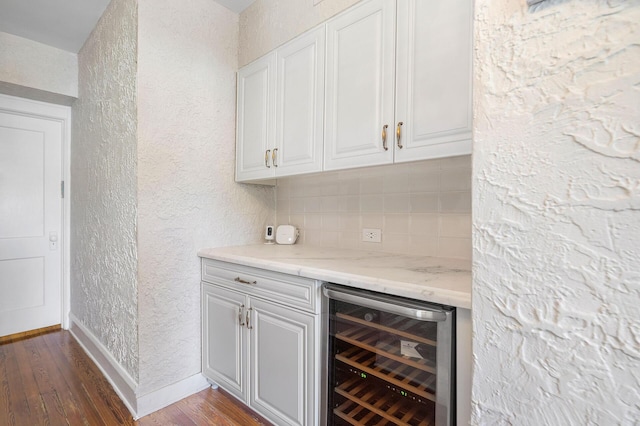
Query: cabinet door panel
x=255 y=119
x=283 y=364
x=299 y=104
x=223 y=341
x=360 y=85
x=434 y=78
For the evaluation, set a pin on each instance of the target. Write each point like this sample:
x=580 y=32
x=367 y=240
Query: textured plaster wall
x=267 y=24
x=28 y=65
x=556 y=213
x=103 y=186
x=187 y=196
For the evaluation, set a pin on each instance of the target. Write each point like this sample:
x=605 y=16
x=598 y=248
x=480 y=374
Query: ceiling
x=64 y=24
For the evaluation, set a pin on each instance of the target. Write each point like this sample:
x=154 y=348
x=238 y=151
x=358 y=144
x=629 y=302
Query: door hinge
x=62 y=189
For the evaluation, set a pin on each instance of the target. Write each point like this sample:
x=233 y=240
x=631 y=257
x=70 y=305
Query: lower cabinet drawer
x=299 y=292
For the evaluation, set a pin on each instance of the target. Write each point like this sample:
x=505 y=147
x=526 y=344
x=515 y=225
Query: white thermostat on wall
x=286 y=234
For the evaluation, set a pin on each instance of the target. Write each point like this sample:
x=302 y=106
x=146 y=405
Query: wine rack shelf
x=366 y=405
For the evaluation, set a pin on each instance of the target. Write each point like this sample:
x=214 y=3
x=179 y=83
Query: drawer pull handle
x=240 y=308
x=240 y=280
x=248 y=318
x=384 y=137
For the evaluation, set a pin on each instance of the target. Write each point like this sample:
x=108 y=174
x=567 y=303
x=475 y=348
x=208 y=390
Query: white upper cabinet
x=398 y=82
x=255 y=121
x=300 y=105
x=360 y=85
x=280 y=111
x=433 y=78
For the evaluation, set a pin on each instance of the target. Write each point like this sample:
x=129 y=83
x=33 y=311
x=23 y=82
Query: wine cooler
x=391 y=360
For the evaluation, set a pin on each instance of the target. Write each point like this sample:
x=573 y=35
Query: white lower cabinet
x=261 y=351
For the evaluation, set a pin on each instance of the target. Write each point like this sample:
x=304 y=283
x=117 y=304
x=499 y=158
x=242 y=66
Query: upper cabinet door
x=433 y=91
x=255 y=119
x=360 y=86
x=300 y=105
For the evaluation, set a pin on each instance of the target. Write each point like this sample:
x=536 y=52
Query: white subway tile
x=395 y=243
x=330 y=222
x=296 y=220
x=312 y=205
x=349 y=223
x=312 y=221
x=371 y=203
x=397 y=203
x=426 y=202
x=396 y=183
x=282 y=218
x=330 y=239
x=350 y=186
x=329 y=204
x=460 y=161
x=457 y=179
x=313 y=237
x=296 y=205
x=363 y=245
x=455 y=202
x=423 y=245
x=297 y=190
x=349 y=240
x=282 y=192
x=330 y=188
x=371 y=184
x=424 y=224
x=459 y=248
x=349 y=204
x=424 y=181
x=455 y=225
x=372 y=221
x=396 y=223
x=283 y=206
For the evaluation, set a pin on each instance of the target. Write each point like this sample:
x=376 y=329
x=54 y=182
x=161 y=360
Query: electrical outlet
x=372 y=235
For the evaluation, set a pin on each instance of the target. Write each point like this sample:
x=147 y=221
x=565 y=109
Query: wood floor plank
x=48 y=380
x=49 y=397
x=7 y=411
x=71 y=401
x=34 y=413
x=77 y=391
x=96 y=388
x=231 y=409
x=202 y=412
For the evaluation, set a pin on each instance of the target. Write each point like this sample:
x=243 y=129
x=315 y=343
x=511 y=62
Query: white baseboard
x=167 y=395
x=123 y=383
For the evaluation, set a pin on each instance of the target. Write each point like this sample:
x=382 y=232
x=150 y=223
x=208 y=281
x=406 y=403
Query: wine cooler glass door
x=390 y=360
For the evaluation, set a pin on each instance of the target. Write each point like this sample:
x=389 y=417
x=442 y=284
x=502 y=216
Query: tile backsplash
x=422 y=208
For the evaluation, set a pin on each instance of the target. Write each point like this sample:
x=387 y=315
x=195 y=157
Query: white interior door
x=30 y=222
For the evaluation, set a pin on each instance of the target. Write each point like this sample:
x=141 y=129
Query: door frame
x=61 y=113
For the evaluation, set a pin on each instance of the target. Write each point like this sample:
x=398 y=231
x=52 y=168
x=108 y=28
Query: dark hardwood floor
x=47 y=379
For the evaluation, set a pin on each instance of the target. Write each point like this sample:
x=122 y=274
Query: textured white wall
x=26 y=65
x=556 y=213
x=187 y=195
x=103 y=186
x=267 y=24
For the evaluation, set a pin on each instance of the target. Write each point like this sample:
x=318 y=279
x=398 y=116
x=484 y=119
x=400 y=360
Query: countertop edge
x=430 y=294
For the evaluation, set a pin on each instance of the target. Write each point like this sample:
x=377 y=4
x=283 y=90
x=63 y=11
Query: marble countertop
x=438 y=280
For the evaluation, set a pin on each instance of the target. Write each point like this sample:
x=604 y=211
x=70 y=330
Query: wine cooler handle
x=375 y=302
